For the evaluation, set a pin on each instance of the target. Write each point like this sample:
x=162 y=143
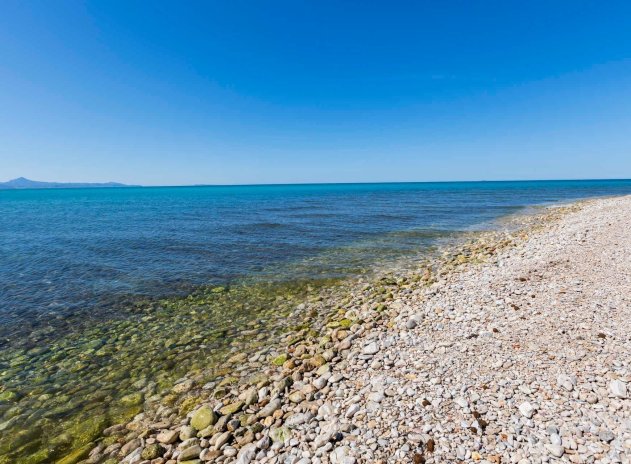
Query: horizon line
x=281 y=184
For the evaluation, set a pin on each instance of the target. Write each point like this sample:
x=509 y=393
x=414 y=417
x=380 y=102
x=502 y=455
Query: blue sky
x=164 y=93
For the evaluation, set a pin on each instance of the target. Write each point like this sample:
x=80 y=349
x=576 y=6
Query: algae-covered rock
x=227 y=381
x=317 y=360
x=280 y=360
x=60 y=441
x=39 y=457
x=133 y=399
x=76 y=455
x=8 y=395
x=20 y=438
x=203 y=417
x=152 y=451
x=87 y=429
x=232 y=408
x=188 y=404
x=346 y=323
x=280 y=434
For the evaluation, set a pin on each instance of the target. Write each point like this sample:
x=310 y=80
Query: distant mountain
x=23 y=183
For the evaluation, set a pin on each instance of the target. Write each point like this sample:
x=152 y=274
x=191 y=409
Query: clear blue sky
x=228 y=92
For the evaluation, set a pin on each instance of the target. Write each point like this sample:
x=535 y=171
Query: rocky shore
x=511 y=348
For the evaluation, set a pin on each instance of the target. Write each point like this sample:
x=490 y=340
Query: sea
x=75 y=264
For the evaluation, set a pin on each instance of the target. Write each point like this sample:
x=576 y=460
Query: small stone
x=270 y=408
x=371 y=348
x=183 y=387
x=167 y=436
x=251 y=396
x=526 y=409
x=133 y=399
x=192 y=452
x=298 y=419
x=460 y=401
x=565 y=382
x=606 y=436
x=339 y=455
x=209 y=455
x=222 y=439
x=320 y=383
x=352 y=410
x=555 y=439
x=297 y=397
x=246 y=454
x=187 y=432
x=411 y=323
x=555 y=450
x=618 y=388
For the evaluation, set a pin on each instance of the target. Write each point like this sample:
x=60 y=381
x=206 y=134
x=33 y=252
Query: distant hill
x=23 y=183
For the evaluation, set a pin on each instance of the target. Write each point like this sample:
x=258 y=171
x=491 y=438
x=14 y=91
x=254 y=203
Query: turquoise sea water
x=65 y=253
x=81 y=348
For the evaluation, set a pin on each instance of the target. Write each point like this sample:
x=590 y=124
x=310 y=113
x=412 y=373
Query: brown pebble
x=418 y=459
x=429 y=446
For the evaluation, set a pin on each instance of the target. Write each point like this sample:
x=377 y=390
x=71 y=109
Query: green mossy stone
x=280 y=360
x=346 y=323
x=188 y=405
x=317 y=360
x=243 y=420
x=133 y=399
x=85 y=430
x=227 y=381
x=41 y=456
x=19 y=439
x=203 y=417
x=152 y=451
x=8 y=395
x=62 y=440
x=76 y=455
x=107 y=441
x=232 y=408
x=323 y=369
x=280 y=434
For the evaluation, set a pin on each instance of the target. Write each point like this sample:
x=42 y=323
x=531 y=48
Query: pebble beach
x=510 y=348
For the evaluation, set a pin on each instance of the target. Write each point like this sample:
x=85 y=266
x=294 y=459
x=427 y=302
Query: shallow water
x=83 y=329
x=77 y=251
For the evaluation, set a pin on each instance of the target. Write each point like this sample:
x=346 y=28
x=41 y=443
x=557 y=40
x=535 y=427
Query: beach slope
x=512 y=348
x=523 y=359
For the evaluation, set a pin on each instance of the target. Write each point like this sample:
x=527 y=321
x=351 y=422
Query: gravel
x=516 y=349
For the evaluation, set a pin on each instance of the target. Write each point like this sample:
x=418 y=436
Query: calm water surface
x=64 y=252
x=79 y=350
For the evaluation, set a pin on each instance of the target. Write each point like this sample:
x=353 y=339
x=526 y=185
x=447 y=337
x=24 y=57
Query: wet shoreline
x=136 y=361
x=307 y=350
